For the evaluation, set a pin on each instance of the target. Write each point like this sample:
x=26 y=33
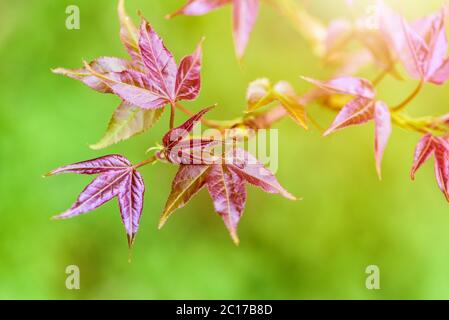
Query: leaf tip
x=131 y=238
x=235 y=238
x=162 y=222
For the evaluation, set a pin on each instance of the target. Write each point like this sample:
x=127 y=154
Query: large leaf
x=126 y=122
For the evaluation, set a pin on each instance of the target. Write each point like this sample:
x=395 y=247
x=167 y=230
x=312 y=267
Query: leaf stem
x=172 y=115
x=145 y=162
x=410 y=98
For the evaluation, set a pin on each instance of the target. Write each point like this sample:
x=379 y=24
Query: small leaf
x=356 y=112
x=128 y=33
x=259 y=94
x=188 y=78
x=130 y=199
x=183 y=131
x=286 y=95
x=102 y=66
x=382 y=120
x=442 y=165
x=244 y=18
x=249 y=168
x=357 y=87
x=126 y=122
x=199 y=7
x=424 y=149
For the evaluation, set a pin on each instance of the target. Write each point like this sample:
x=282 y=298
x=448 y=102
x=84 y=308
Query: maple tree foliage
x=150 y=79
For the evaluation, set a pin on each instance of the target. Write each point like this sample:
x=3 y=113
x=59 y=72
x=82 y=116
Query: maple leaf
x=421 y=46
x=245 y=14
x=224 y=176
x=438 y=147
x=261 y=93
x=116 y=178
x=145 y=84
x=361 y=109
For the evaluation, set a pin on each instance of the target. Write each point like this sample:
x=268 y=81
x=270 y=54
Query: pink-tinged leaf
x=129 y=33
x=442 y=165
x=179 y=133
x=254 y=172
x=130 y=199
x=117 y=178
x=199 y=7
x=408 y=44
x=159 y=61
x=346 y=85
x=436 y=39
x=245 y=16
x=382 y=120
x=339 y=32
x=102 y=189
x=424 y=149
x=188 y=181
x=356 y=112
x=134 y=87
x=100 y=165
x=228 y=193
x=188 y=78
x=441 y=75
x=102 y=66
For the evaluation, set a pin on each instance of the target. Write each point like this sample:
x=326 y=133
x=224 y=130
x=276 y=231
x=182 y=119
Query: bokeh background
x=315 y=248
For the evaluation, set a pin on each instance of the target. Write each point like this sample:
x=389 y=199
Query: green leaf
x=126 y=122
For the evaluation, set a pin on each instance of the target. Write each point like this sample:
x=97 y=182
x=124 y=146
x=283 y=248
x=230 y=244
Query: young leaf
x=177 y=134
x=126 y=122
x=424 y=150
x=188 y=77
x=442 y=165
x=130 y=199
x=249 y=168
x=356 y=112
x=117 y=177
x=382 y=119
x=244 y=18
x=228 y=193
x=102 y=66
x=128 y=33
x=357 y=87
x=261 y=93
x=159 y=61
x=188 y=181
x=199 y=7
x=286 y=95
x=245 y=14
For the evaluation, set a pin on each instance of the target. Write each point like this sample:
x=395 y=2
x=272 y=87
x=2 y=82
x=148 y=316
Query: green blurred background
x=315 y=248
